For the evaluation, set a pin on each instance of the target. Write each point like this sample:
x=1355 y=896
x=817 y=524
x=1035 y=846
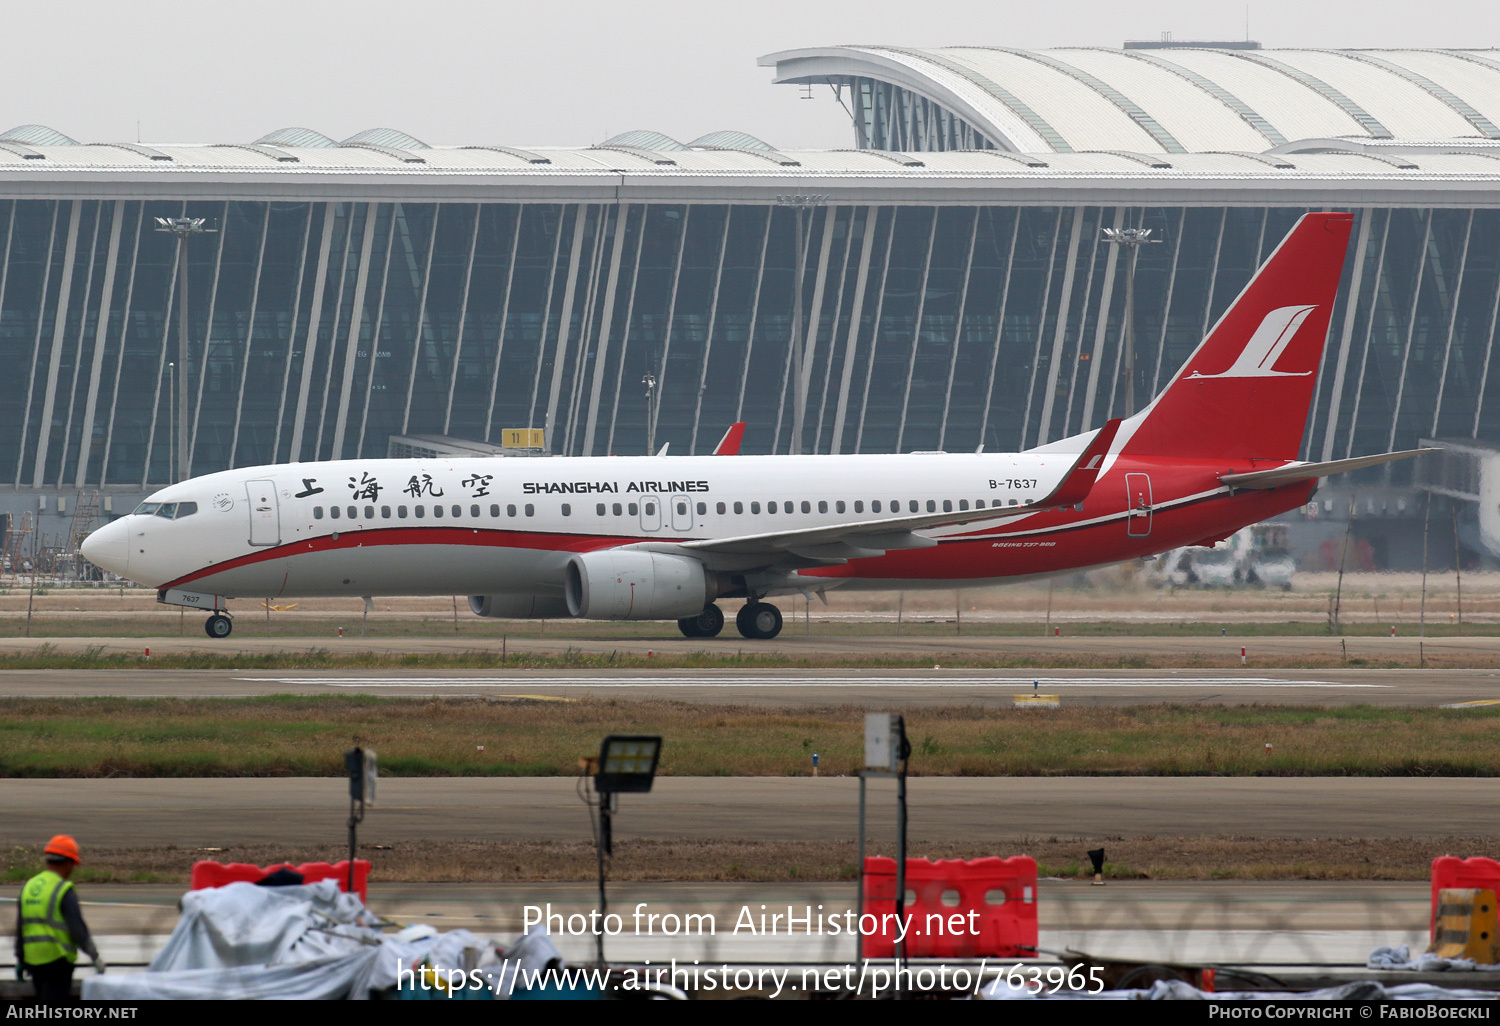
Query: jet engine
x=520 y=607
x=616 y=584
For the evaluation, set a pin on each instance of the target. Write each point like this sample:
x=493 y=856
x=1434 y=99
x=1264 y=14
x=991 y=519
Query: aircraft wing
x=873 y=537
x=1294 y=472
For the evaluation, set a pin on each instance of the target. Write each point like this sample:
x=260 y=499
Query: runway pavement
x=300 y=811
x=795 y=687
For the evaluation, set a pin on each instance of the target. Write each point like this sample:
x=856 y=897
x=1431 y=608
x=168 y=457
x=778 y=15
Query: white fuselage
x=508 y=525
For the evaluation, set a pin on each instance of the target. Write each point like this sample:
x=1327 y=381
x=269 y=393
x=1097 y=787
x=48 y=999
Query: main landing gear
x=706 y=624
x=218 y=626
x=760 y=621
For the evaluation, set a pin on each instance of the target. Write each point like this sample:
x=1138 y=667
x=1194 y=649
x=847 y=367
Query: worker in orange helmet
x=50 y=930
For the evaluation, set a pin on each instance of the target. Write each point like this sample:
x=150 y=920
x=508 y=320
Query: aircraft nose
x=108 y=548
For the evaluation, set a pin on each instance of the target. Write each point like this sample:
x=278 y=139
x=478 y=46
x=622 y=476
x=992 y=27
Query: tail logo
x=1265 y=347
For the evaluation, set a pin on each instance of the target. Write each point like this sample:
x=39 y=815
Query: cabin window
x=682 y=509
x=400 y=512
x=567 y=510
x=437 y=511
x=822 y=506
x=875 y=506
x=510 y=511
x=616 y=509
x=369 y=512
x=720 y=508
x=838 y=507
x=770 y=507
x=859 y=506
x=599 y=509
x=650 y=509
x=1013 y=502
x=317 y=512
x=495 y=511
x=353 y=512
x=807 y=506
x=334 y=512
x=186 y=509
x=385 y=512
x=634 y=509
x=419 y=511
x=167 y=510
x=739 y=509
x=947 y=505
x=530 y=510
x=458 y=511
x=963 y=504
x=474 y=511
x=913 y=506
x=703 y=508
x=755 y=509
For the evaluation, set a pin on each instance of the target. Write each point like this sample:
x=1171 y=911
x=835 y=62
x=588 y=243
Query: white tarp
x=310 y=942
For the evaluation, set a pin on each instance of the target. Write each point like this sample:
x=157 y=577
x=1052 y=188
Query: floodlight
x=627 y=763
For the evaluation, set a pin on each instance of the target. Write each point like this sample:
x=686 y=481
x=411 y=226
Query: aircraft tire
x=218 y=626
x=759 y=621
x=706 y=624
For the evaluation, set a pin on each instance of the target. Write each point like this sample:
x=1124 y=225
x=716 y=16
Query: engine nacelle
x=520 y=607
x=616 y=584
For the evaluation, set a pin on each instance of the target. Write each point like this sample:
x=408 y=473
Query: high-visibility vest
x=44 y=934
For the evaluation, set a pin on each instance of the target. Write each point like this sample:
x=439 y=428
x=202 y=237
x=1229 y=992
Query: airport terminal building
x=943 y=283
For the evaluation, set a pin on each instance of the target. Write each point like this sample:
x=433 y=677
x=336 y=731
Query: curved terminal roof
x=644 y=139
x=1171 y=101
x=390 y=137
x=37 y=135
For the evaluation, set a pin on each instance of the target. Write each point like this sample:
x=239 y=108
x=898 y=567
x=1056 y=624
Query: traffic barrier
x=1449 y=872
x=1467 y=926
x=217 y=874
x=977 y=908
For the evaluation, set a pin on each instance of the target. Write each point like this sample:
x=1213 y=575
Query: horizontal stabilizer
x=1294 y=472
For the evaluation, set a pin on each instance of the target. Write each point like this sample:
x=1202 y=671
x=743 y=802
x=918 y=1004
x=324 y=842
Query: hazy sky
x=568 y=72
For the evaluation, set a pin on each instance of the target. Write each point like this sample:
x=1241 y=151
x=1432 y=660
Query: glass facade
x=320 y=330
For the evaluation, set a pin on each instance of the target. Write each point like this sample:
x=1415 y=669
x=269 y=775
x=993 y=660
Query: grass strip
x=1142 y=858
x=422 y=737
x=94 y=657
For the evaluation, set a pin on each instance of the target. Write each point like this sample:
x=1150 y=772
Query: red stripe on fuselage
x=477 y=536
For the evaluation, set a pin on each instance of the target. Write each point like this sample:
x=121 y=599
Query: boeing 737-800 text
x=660 y=537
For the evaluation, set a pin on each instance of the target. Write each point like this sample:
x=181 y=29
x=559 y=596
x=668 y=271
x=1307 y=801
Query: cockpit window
x=186 y=509
x=147 y=508
x=167 y=510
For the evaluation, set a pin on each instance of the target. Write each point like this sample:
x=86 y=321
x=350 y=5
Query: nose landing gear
x=760 y=621
x=218 y=626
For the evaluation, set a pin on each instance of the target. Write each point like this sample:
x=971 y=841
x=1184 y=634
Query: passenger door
x=650 y=512
x=265 y=513
x=682 y=513
x=1138 y=500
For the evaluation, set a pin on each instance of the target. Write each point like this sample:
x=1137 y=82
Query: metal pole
x=859 y=874
x=172 y=407
x=604 y=842
x=1338 y=597
x=901 y=855
x=798 y=392
x=182 y=357
x=1129 y=355
x=1458 y=567
x=1426 y=523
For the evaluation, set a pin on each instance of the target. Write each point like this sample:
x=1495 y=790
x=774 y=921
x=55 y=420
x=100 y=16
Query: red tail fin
x=1245 y=392
x=729 y=445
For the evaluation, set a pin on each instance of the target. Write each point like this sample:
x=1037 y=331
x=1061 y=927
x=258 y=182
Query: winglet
x=1079 y=480
x=729 y=445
